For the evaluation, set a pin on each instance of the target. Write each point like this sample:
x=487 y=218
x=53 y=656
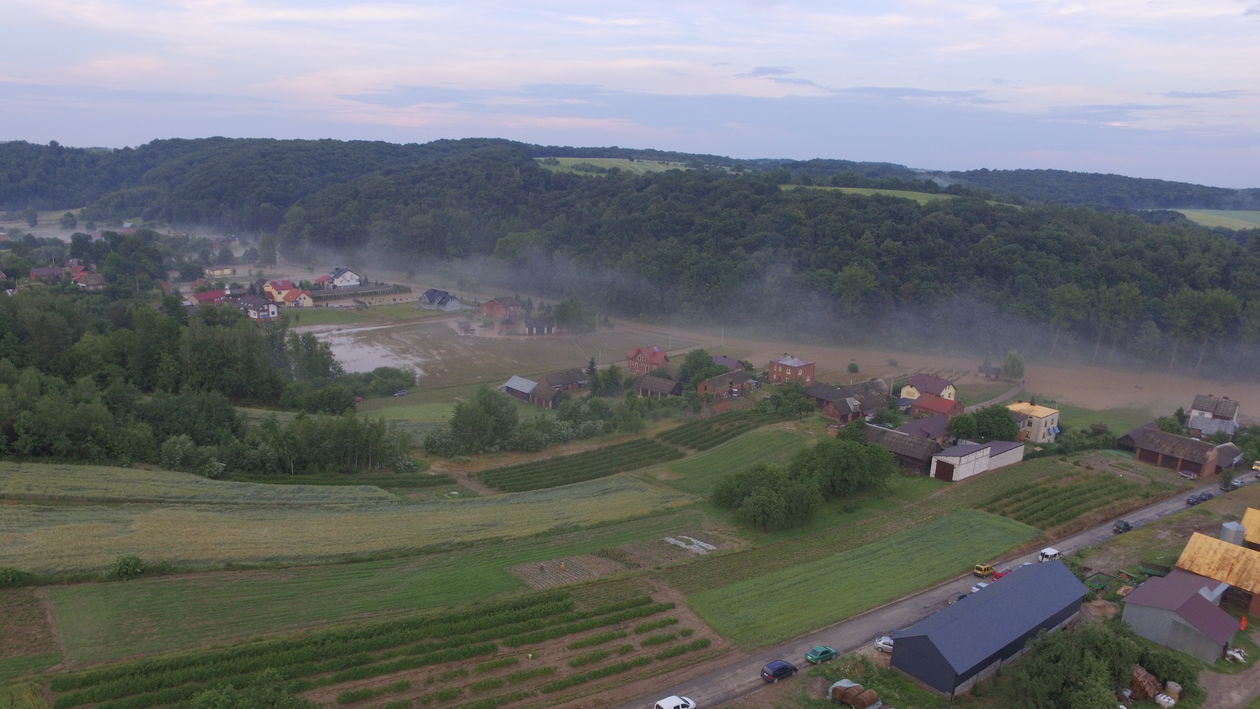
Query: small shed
x=1180 y=611
x=911 y=452
x=519 y=387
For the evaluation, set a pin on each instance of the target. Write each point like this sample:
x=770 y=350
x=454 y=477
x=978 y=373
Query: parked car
x=1233 y=484
x=400 y=392
x=675 y=702
x=954 y=598
x=777 y=670
x=999 y=574
x=1205 y=496
x=984 y=571
x=1188 y=475
x=979 y=586
x=1121 y=526
x=884 y=643
x=1048 y=554
x=820 y=653
x=1193 y=500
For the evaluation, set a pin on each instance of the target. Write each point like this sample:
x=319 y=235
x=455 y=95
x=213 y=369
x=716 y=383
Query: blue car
x=777 y=670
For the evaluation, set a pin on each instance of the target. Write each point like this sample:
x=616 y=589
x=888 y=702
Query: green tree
x=265 y=691
x=853 y=283
x=68 y=221
x=484 y=423
x=697 y=366
x=995 y=423
x=1013 y=365
x=127 y=566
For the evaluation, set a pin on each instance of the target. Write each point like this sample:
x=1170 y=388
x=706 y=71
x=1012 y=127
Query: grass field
x=106 y=621
x=637 y=167
x=698 y=474
x=787 y=602
x=1120 y=420
x=428 y=413
x=66 y=538
x=100 y=483
x=1228 y=219
x=11 y=667
x=920 y=197
x=21 y=696
x=980 y=392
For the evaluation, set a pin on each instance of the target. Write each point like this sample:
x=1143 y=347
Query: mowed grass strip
x=790 y=601
x=579 y=467
x=108 y=621
x=700 y=473
x=87 y=483
x=65 y=538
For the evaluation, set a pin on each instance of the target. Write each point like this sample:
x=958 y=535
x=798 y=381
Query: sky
x=1145 y=88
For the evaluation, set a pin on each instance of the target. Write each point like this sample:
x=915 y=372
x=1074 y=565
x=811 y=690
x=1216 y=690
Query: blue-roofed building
x=966 y=642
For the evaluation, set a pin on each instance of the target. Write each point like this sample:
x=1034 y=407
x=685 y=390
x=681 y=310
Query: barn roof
x=936 y=404
x=902 y=443
x=971 y=632
x=728 y=362
x=929 y=383
x=1179 y=592
x=565 y=377
x=788 y=360
x=1219 y=407
x=1220 y=560
x=728 y=380
x=656 y=385
x=1251 y=523
x=521 y=384
x=934 y=426
x=963 y=450
x=1150 y=437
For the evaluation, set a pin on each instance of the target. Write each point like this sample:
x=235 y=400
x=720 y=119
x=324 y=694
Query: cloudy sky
x=1138 y=87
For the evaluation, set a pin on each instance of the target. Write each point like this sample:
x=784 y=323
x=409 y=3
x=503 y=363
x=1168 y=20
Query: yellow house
x=220 y=271
x=929 y=384
x=1039 y=424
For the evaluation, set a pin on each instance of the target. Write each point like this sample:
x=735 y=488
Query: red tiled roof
x=652 y=355
x=210 y=296
x=935 y=404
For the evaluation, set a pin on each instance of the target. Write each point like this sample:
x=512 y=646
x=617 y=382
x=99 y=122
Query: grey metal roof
x=521 y=384
x=1220 y=407
x=904 y=444
x=967 y=633
x=1000 y=447
x=934 y=426
x=962 y=450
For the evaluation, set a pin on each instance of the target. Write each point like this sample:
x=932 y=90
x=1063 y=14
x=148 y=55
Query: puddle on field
x=362 y=349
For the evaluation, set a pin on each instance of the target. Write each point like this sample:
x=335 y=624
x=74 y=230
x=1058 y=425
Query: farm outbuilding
x=1219 y=560
x=932 y=405
x=1251 y=528
x=963 y=461
x=920 y=384
x=966 y=642
x=1168 y=450
x=1180 y=611
x=911 y=452
x=935 y=427
x=649 y=386
x=519 y=387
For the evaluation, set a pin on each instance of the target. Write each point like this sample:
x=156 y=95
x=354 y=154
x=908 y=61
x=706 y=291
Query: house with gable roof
x=1181 y=453
x=342 y=277
x=1037 y=423
x=642 y=360
x=1220 y=560
x=789 y=368
x=967 y=459
x=652 y=387
x=519 y=387
x=933 y=428
x=920 y=384
x=911 y=452
x=849 y=403
x=435 y=299
x=726 y=386
x=501 y=309
x=1210 y=415
x=932 y=405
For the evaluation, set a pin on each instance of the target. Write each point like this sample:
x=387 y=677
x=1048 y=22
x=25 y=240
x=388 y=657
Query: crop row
x=1075 y=499
x=597 y=639
x=358 y=695
x=707 y=433
x=619 y=667
x=580 y=466
x=589 y=624
x=338 y=642
x=350 y=661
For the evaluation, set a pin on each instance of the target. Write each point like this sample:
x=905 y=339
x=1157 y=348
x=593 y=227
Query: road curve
x=740 y=679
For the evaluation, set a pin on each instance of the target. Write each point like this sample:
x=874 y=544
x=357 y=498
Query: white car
x=980 y=585
x=675 y=702
x=884 y=643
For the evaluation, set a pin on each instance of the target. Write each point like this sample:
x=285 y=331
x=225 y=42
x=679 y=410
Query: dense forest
x=750 y=243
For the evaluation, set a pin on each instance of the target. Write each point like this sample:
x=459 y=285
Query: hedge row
x=563 y=630
x=715 y=430
x=597 y=639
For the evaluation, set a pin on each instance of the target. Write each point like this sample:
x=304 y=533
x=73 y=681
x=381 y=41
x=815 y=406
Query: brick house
x=849 y=403
x=791 y=369
x=642 y=360
x=500 y=309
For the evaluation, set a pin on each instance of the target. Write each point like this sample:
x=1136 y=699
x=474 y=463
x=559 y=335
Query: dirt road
x=741 y=680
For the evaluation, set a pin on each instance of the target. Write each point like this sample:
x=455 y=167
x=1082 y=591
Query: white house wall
x=1009 y=457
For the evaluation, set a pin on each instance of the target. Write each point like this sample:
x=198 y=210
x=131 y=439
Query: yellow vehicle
x=984 y=571
x=1255 y=465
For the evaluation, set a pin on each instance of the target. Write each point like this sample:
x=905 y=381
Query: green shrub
x=658 y=639
x=445 y=695
x=355 y=695
x=10 y=577
x=590 y=658
x=654 y=625
x=127 y=566
x=486 y=684
x=682 y=649
x=523 y=675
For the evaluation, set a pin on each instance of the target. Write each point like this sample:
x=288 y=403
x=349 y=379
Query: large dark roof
x=902 y=444
x=728 y=362
x=728 y=380
x=657 y=385
x=1220 y=407
x=565 y=377
x=1149 y=437
x=869 y=395
x=972 y=631
x=936 y=404
x=934 y=426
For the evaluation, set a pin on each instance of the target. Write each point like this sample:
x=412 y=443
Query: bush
x=127 y=566
x=10 y=577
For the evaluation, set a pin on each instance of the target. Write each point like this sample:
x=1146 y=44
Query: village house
x=849 y=403
x=967 y=642
x=434 y=299
x=275 y=290
x=729 y=362
x=297 y=298
x=207 y=297
x=1169 y=450
x=963 y=461
x=501 y=309
x=726 y=386
x=257 y=308
x=651 y=387
x=1225 y=561
x=1182 y=611
x=90 y=281
x=911 y=452
x=220 y=271
x=642 y=360
x=1037 y=424
x=925 y=405
x=791 y=369
x=920 y=384
x=1210 y=415
x=344 y=278
x=47 y=274
x=933 y=428
x=990 y=371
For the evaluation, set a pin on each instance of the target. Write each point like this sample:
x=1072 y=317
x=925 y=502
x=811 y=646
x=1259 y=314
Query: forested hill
x=1091 y=189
